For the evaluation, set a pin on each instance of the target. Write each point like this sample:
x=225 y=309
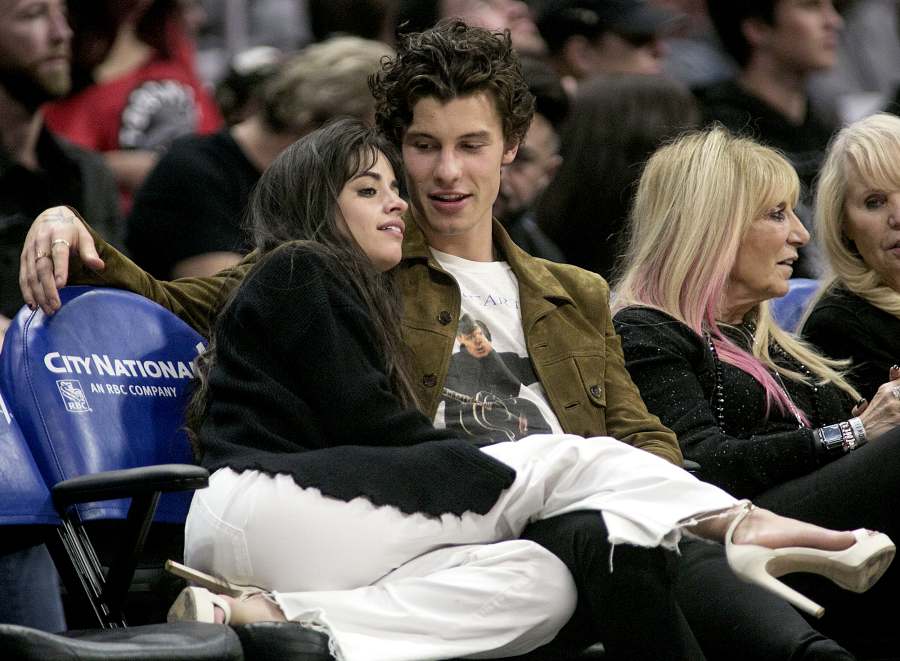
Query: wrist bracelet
x=859 y=430
x=831 y=440
x=848 y=436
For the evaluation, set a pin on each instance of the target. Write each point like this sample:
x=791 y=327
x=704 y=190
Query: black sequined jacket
x=844 y=325
x=747 y=449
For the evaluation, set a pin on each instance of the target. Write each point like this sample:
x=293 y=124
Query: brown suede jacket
x=576 y=354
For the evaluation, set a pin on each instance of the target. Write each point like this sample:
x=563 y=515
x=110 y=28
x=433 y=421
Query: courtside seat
x=99 y=388
x=790 y=308
x=24 y=497
x=29 y=587
x=99 y=391
x=111 y=370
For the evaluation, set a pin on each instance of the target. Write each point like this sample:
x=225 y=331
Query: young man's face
x=453 y=152
x=804 y=34
x=35 y=48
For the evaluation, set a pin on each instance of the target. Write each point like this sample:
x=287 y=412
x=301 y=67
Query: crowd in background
x=614 y=79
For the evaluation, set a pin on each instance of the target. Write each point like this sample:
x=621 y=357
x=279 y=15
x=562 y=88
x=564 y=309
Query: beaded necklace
x=774 y=348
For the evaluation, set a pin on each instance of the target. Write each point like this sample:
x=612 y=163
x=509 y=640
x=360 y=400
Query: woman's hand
x=56 y=236
x=883 y=413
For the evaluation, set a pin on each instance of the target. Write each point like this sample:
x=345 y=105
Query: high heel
x=217 y=585
x=856 y=568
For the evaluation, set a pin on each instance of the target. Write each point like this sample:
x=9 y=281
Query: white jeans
x=392 y=586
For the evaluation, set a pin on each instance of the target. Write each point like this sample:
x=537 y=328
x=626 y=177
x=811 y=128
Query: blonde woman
x=858 y=221
x=713 y=238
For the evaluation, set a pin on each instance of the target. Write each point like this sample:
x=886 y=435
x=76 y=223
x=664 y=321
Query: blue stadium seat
x=28 y=581
x=111 y=370
x=790 y=308
x=99 y=390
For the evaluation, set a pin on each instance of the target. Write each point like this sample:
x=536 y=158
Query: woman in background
x=857 y=316
x=616 y=122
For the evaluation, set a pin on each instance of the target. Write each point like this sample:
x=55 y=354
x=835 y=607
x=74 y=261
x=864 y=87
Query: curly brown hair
x=451 y=60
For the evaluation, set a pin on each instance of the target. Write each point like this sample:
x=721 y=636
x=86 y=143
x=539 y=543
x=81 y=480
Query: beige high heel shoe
x=216 y=585
x=856 y=568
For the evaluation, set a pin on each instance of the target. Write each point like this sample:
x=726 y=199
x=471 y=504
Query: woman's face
x=872 y=222
x=765 y=261
x=371 y=207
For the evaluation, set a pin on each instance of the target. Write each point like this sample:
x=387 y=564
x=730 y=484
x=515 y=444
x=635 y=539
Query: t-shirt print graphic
x=481 y=393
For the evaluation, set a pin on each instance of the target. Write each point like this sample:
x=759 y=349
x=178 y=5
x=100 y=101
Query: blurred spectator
x=590 y=37
x=238 y=93
x=37 y=168
x=232 y=27
x=369 y=19
x=524 y=180
x=193 y=17
x=778 y=44
x=186 y=218
x=693 y=52
x=139 y=90
x=616 y=122
x=867 y=70
x=513 y=15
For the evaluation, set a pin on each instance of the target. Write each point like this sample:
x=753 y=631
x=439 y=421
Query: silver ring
x=40 y=255
x=896 y=392
x=62 y=241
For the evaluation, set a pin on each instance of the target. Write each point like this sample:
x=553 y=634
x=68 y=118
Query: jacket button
x=445 y=317
x=595 y=390
x=429 y=380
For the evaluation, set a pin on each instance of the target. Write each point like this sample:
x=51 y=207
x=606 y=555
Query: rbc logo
x=73 y=396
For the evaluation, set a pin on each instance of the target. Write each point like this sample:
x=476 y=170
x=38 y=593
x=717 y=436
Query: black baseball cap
x=561 y=19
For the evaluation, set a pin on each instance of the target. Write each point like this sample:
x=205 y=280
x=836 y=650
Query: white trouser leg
x=645 y=500
x=268 y=531
x=507 y=598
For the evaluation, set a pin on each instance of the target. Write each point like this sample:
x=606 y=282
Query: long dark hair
x=616 y=122
x=296 y=200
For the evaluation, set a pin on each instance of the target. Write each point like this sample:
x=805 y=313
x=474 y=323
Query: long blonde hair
x=869 y=149
x=695 y=202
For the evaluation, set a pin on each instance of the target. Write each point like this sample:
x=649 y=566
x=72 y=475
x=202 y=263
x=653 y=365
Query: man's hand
x=56 y=236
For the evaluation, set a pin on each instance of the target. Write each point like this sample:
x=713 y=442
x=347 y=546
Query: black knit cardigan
x=299 y=387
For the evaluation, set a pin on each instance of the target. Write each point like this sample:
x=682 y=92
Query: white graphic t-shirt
x=491 y=392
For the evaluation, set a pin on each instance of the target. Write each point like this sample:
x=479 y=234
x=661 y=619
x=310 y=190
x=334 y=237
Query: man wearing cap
x=589 y=37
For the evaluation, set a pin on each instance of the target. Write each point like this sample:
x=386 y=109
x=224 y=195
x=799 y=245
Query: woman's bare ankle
x=256 y=608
